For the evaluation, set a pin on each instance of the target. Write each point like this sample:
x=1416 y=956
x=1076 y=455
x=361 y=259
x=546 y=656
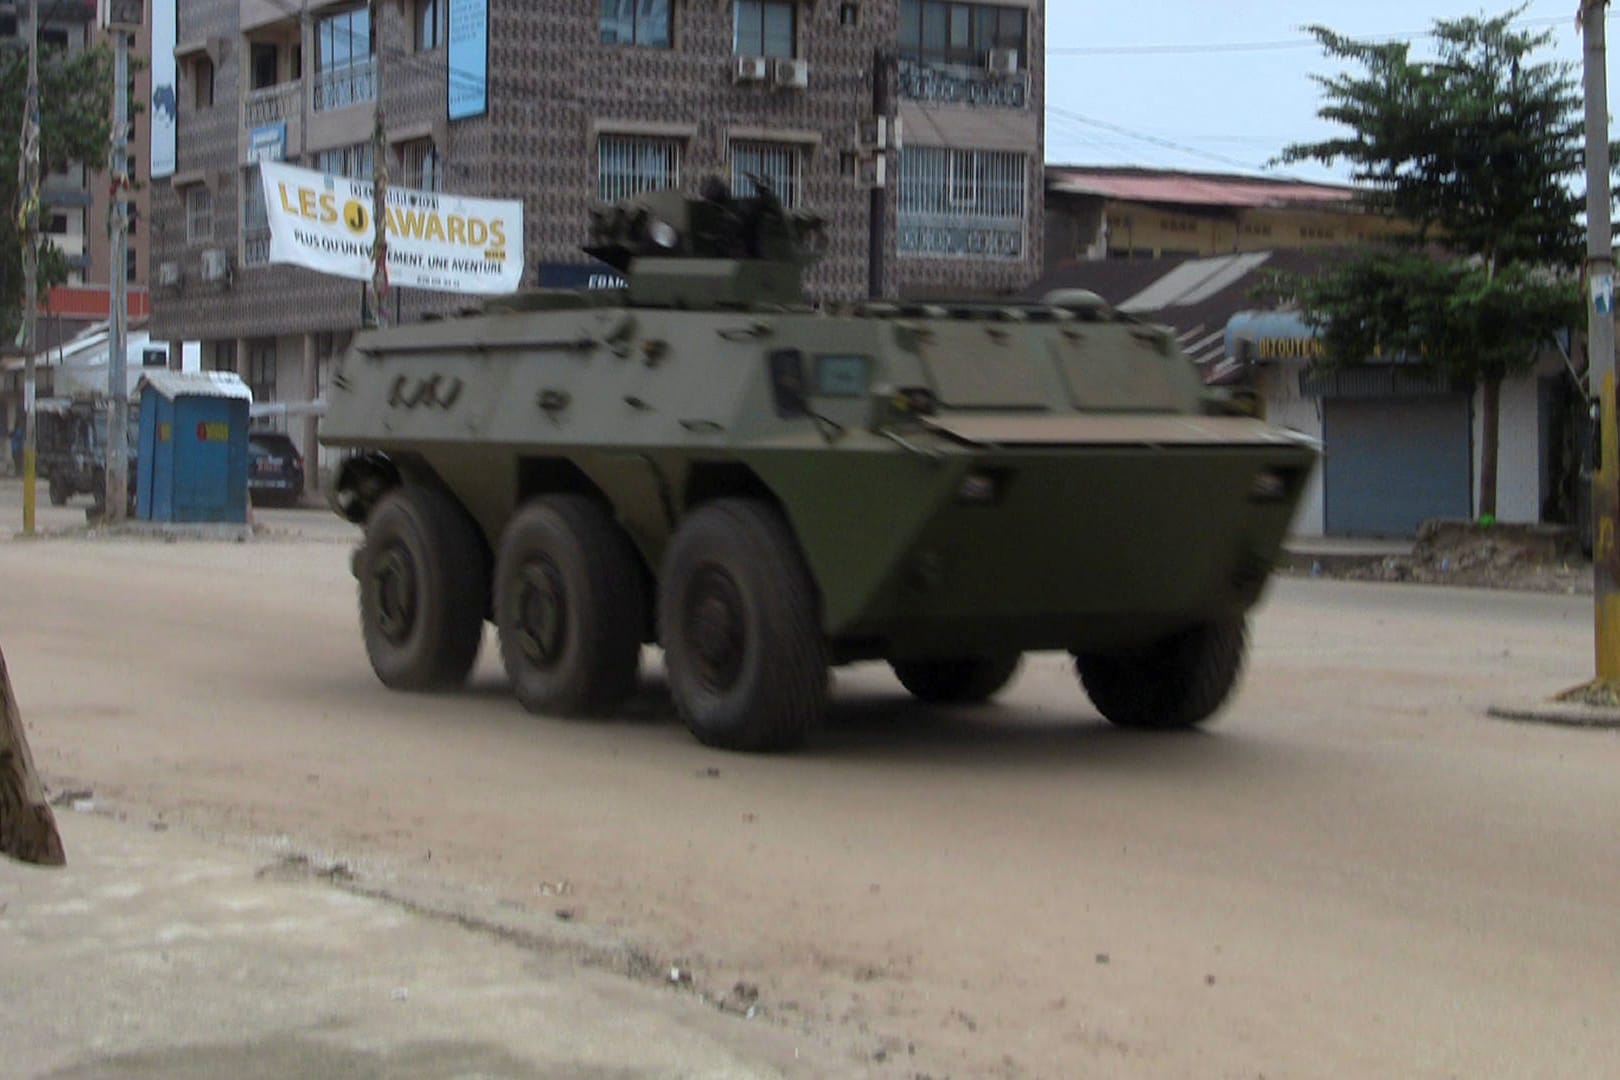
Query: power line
x=1183 y=48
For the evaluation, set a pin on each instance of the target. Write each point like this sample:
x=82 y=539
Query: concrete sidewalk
x=158 y=954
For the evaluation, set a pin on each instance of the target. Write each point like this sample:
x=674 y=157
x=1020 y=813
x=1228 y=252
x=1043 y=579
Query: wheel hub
x=542 y=613
x=394 y=581
x=715 y=629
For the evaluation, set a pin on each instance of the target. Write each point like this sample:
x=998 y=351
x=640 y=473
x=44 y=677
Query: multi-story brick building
x=585 y=101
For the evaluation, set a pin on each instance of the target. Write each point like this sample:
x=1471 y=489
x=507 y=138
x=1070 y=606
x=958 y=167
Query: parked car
x=275 y=469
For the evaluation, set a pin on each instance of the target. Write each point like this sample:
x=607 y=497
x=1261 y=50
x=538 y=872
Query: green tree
x=1477 y=149
x=75 y=97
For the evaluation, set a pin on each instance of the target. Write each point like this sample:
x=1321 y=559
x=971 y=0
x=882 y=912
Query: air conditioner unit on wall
x=1003 y=62
x=169 y=275
x=749 y=69
x=216 y=265
x=790 y=74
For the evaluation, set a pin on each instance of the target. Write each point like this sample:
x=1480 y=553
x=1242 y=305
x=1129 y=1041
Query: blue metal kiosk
x=193 y=455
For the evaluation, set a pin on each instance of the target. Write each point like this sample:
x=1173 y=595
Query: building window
x=427 y=25
x=199 y=214
x=763 y=28
x=223 y=356
x=131 y=263
x=777 y=165
x=941 y=32
x=262 y=65
x=255 y=220
x=636 y=22
x=419 y=166
x=344 y=71
x=627 y=165
x=354 y=162
x=202 y=83
x=53 y=37
x=56 y=225
x=261 y=374
x=962 y=202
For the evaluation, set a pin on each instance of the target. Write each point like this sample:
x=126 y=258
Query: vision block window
x=763 y=28
x=636 y=22
x=628 y=165
x=941 y=32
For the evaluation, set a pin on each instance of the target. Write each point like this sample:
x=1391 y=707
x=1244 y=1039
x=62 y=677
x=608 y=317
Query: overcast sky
x=1185 y=89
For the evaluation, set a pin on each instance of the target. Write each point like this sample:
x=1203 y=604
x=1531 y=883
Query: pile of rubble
x=1539 y=558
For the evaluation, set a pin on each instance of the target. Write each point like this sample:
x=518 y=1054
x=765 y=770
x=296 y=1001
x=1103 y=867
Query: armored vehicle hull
x=765 y=490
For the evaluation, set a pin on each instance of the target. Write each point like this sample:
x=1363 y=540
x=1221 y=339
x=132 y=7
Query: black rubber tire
x=567 y=549
x=964 y=681
x=738 y=616
x=423 y=534
x=59 y=491
x=1175 y=683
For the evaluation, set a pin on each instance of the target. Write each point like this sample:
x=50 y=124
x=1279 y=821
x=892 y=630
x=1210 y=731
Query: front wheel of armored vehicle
x=964 y=681
x=569 y=606
x=1174 y=683
x=424 y=578
x=737 y=616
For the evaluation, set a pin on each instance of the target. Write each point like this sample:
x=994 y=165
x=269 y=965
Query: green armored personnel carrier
x=702 y=460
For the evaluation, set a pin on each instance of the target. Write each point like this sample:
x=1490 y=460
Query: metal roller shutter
x=1393 y=462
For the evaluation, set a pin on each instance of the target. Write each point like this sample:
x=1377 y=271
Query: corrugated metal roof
x=1195 y=281
x=1191 y=189
x=178 y=384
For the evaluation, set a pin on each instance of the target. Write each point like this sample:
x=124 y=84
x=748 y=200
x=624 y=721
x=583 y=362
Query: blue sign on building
x=267 y=142
x=595 y=275
x=468 y=85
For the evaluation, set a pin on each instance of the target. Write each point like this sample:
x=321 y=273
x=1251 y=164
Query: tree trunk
x=1490 y=422
x=27 y=826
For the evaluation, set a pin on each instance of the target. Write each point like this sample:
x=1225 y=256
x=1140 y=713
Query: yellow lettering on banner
x=286 y=204
x=435 y=228
x=306 y=203
x=328 y=208
x=497 y=233
x=458 y=229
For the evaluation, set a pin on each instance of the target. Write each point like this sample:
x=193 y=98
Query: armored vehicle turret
x=703 y=460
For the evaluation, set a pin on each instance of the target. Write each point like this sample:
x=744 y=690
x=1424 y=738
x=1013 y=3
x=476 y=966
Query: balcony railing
x=945 y=235
x=338 y=88
x=255 y=246
x=946 y=85
x=270 y=104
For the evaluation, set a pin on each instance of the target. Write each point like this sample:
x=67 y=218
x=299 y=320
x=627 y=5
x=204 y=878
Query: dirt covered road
x=1354 y=873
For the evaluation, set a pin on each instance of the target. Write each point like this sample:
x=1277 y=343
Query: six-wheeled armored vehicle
x=703 y=460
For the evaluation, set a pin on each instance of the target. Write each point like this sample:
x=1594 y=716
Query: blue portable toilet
x=193 y=455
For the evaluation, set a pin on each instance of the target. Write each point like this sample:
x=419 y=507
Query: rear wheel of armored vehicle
x=424 y=579
x=60 y=492
x=964 y=681
x=569 y=606
x=737 y=616
x=1174 y=683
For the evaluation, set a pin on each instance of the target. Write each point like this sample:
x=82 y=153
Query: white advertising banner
x=162 y=105
x=448 y=243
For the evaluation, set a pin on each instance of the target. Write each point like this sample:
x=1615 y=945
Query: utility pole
x=379 y=187
x=877 y=220
x=116 y=508
x=1600 y=347
x=28 y=212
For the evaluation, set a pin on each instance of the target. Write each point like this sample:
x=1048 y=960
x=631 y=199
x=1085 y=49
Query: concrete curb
x=1559 y=713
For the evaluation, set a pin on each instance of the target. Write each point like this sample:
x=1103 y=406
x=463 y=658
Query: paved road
x=1353 y=873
